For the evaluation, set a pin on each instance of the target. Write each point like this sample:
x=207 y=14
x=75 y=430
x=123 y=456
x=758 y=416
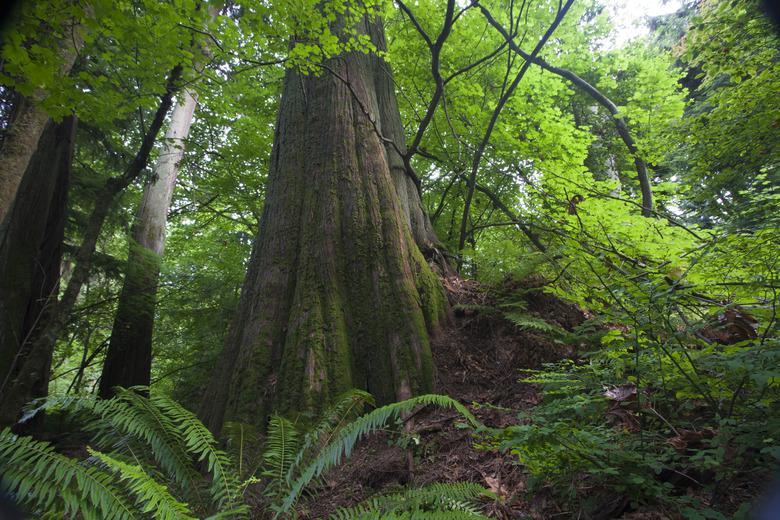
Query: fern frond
x=281 y=447
x=347 y=406
x=242 y=442
x=151 y=496
x=406 y=515
x=455 y=496
x=331 y=455
x=525 y=322
x=47 y=480
x=225 y=488
x=132 y=414
x=452 y=500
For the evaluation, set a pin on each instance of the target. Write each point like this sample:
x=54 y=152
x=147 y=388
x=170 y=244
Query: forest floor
x=479 y=357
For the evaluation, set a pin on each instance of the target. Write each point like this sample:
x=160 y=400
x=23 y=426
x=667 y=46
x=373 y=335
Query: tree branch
x=599 y=97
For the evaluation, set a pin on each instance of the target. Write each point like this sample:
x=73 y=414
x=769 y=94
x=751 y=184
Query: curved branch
x=497 y=111
x=600 y=98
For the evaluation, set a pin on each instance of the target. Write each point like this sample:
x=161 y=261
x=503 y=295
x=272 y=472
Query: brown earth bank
x=479 y=356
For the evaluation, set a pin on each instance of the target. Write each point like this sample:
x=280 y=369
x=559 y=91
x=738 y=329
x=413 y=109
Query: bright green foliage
x=455 y=500
x=730 y=139
x=51 y=482
x=151 y=496
x=700 y=99
x=199 y=441
x=676 y=383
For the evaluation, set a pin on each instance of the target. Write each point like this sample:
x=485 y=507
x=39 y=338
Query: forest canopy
x=389 y=259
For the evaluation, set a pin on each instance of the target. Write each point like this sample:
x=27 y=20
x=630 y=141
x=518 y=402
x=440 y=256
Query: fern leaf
x=40 y=477
x=198 y=441
x=525 y=322
x=331 y=455
x=131 y=414
x=346 y=407
x=151 y=496
x=438 y=500
x=281 y=447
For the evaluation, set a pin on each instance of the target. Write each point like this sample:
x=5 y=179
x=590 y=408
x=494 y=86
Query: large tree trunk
x=25 y=129
x=30 y=255
x=392 y=128
x=129 y=356
x=26 y=125
x=337 y=294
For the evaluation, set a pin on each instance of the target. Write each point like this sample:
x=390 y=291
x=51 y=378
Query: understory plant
x=149 y=457
x=674 y=397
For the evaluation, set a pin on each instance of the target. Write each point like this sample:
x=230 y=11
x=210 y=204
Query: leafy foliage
x=39 y=476
x=331 y=454
x=127 y=424
x=684 y=303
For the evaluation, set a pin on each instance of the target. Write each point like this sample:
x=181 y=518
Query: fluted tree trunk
x=129 y=356
x=338 y=294
x=392 y=129
x=30 y=256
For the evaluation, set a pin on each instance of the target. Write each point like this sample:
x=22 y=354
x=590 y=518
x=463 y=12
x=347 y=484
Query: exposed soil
x=479 y=356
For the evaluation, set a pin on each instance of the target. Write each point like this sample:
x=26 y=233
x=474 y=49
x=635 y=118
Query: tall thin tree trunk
x=19 y=389
x=337 y=295
x=31 y=253
x=129 y=357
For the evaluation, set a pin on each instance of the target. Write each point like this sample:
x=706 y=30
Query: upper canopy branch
x=598 y=96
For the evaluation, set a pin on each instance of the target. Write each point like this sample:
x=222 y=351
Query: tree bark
x=35 y=366
x=392 y=128
x=26 y=126
x=129 y=356
x=31 y=253
x=337 y=295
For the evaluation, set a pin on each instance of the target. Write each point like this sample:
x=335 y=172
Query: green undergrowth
x=671 y=402
x=148 y=457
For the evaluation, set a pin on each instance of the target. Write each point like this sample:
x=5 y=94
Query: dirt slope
x=479 y=356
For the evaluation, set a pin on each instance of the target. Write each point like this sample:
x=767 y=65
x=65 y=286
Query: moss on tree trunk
x=30 y=257
x=338 y=294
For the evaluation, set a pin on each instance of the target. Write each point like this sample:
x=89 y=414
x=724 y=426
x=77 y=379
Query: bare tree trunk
x=31 y=252
x=34 y=369
x=26 y=126
x=129 y=356
x=337 y=294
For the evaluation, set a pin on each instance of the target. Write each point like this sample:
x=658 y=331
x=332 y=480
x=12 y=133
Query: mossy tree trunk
x=129 y=356
x=30 y=257
x=338 y=294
